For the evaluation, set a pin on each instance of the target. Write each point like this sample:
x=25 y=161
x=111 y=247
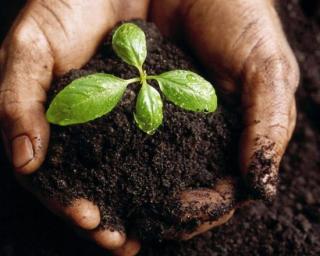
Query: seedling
x=95 y=95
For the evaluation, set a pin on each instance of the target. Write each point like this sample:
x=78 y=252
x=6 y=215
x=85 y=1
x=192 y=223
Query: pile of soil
x=135 y=178
x=290 y=226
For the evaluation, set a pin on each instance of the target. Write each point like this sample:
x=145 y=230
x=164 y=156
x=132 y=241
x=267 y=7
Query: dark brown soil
x=135 y=178
x=290 y=226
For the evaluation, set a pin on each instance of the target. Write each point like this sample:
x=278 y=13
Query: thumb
x=270 y=114
x=26 y=75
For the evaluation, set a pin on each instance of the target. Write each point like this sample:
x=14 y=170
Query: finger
x=81 y=212
x=130 y=248
x=208 y=225
x=26 y=138
x=105 y=238
x=25 y=131
x=22 y=94
x=207 y=204
x=209 y=207
x=85 y=216
x=108 y=239
x=269 y=111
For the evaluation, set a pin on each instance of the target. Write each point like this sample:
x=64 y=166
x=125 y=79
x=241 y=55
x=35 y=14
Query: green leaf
x=188 y=90
x=86 y=99
x=148 y=115
x=129 y=43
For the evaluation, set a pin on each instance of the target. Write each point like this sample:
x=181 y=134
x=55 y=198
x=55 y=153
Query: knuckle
x=272 y=64
x=28 y=43
x=28 y=39
x=9 y=105
x=280 y=129
x=275 y=73
x=22 y=37
x=283 y=70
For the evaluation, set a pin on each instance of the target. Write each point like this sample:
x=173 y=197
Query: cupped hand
x=243 y=47
x=49 y=38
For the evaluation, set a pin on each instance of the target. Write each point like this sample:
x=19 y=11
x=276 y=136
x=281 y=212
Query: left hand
x=47 y=39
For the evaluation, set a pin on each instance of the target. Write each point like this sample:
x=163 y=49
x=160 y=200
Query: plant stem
x=151 y=77
x=143 y=76
x=133 y=80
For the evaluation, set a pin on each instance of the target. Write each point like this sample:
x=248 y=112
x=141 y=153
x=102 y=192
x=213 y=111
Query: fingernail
x=22 y=151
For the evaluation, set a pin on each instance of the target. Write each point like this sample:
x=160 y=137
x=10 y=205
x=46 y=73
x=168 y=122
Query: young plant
x=95 y=95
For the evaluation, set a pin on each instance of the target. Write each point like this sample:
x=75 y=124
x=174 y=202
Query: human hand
x=242 y=44
x=49 y=38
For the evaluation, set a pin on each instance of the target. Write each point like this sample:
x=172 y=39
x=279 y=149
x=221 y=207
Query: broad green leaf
x=86 y=99
x=148 y=115
x=188 y=90
x=129 y=43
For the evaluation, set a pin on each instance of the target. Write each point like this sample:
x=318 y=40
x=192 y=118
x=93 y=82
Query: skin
x=240 y=42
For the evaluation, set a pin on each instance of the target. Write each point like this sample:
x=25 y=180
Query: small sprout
x=93 y=96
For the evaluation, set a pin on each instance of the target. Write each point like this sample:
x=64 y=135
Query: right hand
x=242 y=44
x=49 y=38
